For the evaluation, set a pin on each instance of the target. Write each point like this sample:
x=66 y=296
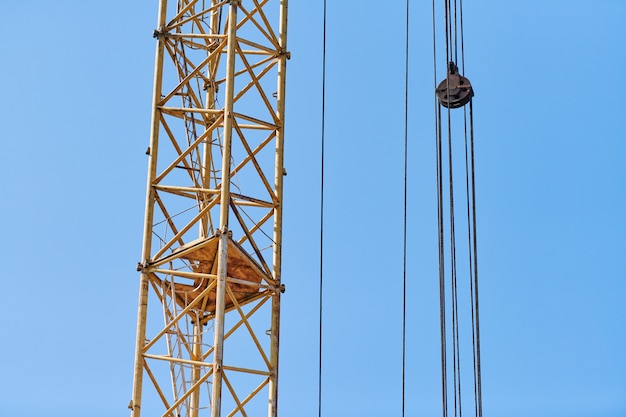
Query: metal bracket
x=159 y=33
x=141 y=267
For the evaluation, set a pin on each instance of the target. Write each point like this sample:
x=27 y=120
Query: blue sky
x=550 y=153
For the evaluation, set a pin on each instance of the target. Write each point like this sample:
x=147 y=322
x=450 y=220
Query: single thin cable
x=321 y=287
x=448 y=31
x=404 y=238
x=456 y=39
x=462 y=38
x=434 y=59
x=442 y=289
x=479 y=398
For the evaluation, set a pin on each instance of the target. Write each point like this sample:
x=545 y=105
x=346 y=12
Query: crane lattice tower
x=210 y=273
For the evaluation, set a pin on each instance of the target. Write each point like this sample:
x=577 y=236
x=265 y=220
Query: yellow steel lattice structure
x=209 y=301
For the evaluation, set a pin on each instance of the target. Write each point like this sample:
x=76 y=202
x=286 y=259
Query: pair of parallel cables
x=453 y=92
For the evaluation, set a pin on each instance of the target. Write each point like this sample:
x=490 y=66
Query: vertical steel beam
x=204 y=223
x=135 y=403
x=278 y=212
x=218 y=353
x=194 y=406
x=220 y=303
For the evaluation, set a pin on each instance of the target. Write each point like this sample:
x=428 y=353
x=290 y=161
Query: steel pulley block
x=455 y=91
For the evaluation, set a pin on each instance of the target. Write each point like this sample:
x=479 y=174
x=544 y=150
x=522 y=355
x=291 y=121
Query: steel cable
x=321 y=266
x=404 y=232
x=454 y=40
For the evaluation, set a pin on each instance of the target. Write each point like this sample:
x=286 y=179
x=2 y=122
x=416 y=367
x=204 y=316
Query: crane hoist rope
x=321 y=265
x=454 y=92
x=405 y=203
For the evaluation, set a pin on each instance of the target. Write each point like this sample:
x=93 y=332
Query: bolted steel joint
x=142 y=267
x=159 y=33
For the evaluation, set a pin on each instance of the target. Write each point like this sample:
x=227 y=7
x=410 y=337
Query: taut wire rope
x=454 y=37
x=321 y=266
x=404 y=231
x=474 y=245
x=449 y=95
x=442 y=288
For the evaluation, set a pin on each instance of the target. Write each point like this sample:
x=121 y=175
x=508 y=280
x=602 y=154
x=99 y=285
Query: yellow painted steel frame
x=210 y=277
